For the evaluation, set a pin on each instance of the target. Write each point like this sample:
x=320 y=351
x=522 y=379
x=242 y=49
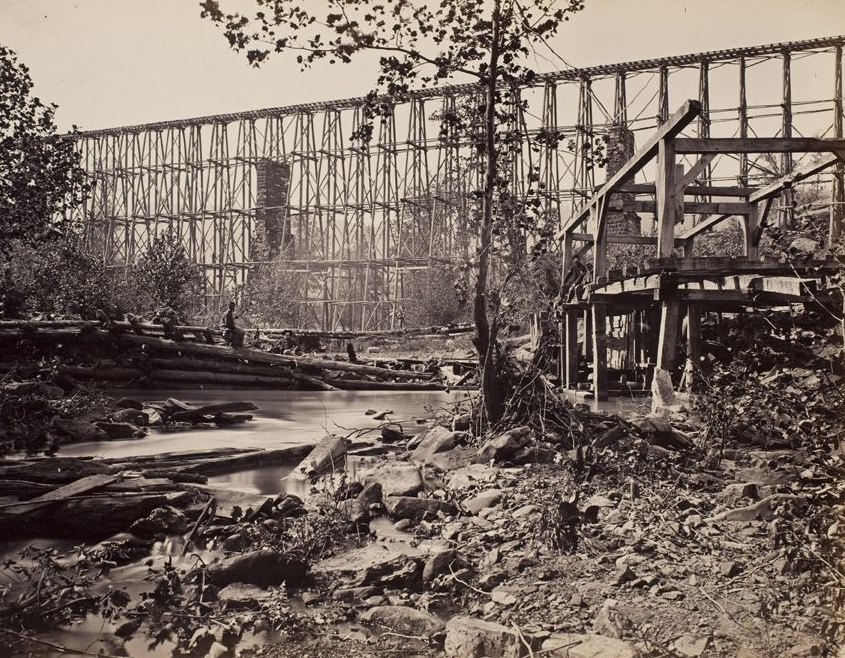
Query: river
x=283 y=418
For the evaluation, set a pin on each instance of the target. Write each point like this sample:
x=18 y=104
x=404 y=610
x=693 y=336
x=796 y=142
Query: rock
x=586 y=645
x=443 y=562
x=262 y=568
x=240 y=596
x=803 y=247
x=131 y=416
x=488 y=498
x=473 y=638
x=609 y=621
x=404 y=620
x=525 y=510
x=397 y=479
x=764 y=509
x=452 y=459
x=461 y=422
x=729 y=569
x=359 y=509
x=129 y=403
x=733 y=493
x=691 y=645
x=117 y=431
x=353 y=594
x=409 y=507
x=503 y=596
x=471 y=475
x=624 y=575
x=235 y=543
x=432 y=441
x=79 y=430
x=402 y=571
x=161 y=522
x=504 y=446
x=154 y=418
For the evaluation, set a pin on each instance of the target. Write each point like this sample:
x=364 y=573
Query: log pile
x=140 y=354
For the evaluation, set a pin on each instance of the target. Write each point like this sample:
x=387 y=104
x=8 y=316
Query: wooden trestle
x=652 y=303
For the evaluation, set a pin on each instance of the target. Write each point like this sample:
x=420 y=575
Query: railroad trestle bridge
x=353 y=226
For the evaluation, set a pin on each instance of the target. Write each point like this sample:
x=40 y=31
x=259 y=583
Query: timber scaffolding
x=648 y=306
x=358 y=227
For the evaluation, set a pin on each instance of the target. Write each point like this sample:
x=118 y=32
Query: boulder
x=505 y=445
x=409 y=507
x=359 y=509
x=161 y=522
x=452 y=459
x=131 y=416
x=404 y=620
x=443 y=562
x=78 y=430
x=489 y=498
x=240 y=596
x=397 y=479
x=354 y=594
x=586 y=645
x=473 y=638
x=432 y=441
x=117 y=431
x=402 y=571
x=129 y=403
x=470 y=475
x=263 y=568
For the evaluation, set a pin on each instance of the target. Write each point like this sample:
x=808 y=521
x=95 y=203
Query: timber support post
x=599 y=314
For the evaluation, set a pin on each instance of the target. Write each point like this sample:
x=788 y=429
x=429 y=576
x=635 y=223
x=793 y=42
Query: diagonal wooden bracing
x=355 y=220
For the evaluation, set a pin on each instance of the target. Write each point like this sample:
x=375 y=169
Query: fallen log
x=257 y=356
x=328 y=455
x=366 y=385
x=196 y=413
x=191 y=377
x=80 y=486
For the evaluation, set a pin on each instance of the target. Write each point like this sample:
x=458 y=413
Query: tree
x=166 y=276
x=424 y=44
x=40 y=176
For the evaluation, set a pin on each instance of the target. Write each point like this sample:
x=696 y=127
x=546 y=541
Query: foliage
x=424 y=45
x=40 y=176
x=63 y=277
x=435 y=297
x=271 y=295
x=165 y=276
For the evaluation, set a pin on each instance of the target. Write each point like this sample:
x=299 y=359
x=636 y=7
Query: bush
x=433 y=297
x=166 y=277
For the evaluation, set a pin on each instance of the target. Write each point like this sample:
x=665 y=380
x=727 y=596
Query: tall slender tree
x=425 y=44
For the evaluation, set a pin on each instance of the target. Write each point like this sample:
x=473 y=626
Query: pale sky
x=119 y=62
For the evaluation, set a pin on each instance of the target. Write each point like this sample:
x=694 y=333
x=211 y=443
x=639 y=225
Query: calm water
x=283 y=418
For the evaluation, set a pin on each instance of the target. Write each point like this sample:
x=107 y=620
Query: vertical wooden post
x=743 y=123
x=787 y=215
x=663 y=394
x=751 y=225
x=571 y=358
x=588 y=335
x=663 y=96
x=693 y=345
x=597 y=214
x=666 y=198
x=837 y=215
x=599 y=312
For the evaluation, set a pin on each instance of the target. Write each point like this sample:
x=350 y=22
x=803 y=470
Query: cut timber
x=328 y=455
x=211 y=410
x=758 y=145
x=184 y=376
x=367 y=385
x=256 y=356
x=81 y=486
x=663 y=395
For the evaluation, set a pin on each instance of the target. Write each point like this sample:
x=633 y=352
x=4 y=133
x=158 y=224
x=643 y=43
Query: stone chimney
x=620 y=149
x=271 y=227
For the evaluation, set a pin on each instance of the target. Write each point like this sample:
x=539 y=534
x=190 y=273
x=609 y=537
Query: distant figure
x=170 y=321
x=289 y=344
x=399 y=314
x=232 y=333
x=574 y=277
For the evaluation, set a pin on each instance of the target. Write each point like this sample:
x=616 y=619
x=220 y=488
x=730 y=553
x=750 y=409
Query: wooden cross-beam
x=690 y=207
x=758 y=145
x=692 y=190
x=702 y=226
x=810 y=169
x=680 y=120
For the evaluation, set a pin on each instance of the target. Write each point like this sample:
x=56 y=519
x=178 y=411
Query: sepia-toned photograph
x=422 y=329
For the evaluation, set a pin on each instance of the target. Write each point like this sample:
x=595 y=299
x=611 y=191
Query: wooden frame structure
x=364 y=220
x=675 y=284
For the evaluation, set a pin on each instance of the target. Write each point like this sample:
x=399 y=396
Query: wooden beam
x=599 y=214
x=599 y=315
x=666 y=196
x=701 y=227
x=690 y=207
x=691 y=190
x=758 y=145
x=694 y=171
x=810 y=169
x=615 y=239
x=680 y=120
x=570 y=362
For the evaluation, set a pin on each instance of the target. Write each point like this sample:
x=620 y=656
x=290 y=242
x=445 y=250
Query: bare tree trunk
x=485 y=333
